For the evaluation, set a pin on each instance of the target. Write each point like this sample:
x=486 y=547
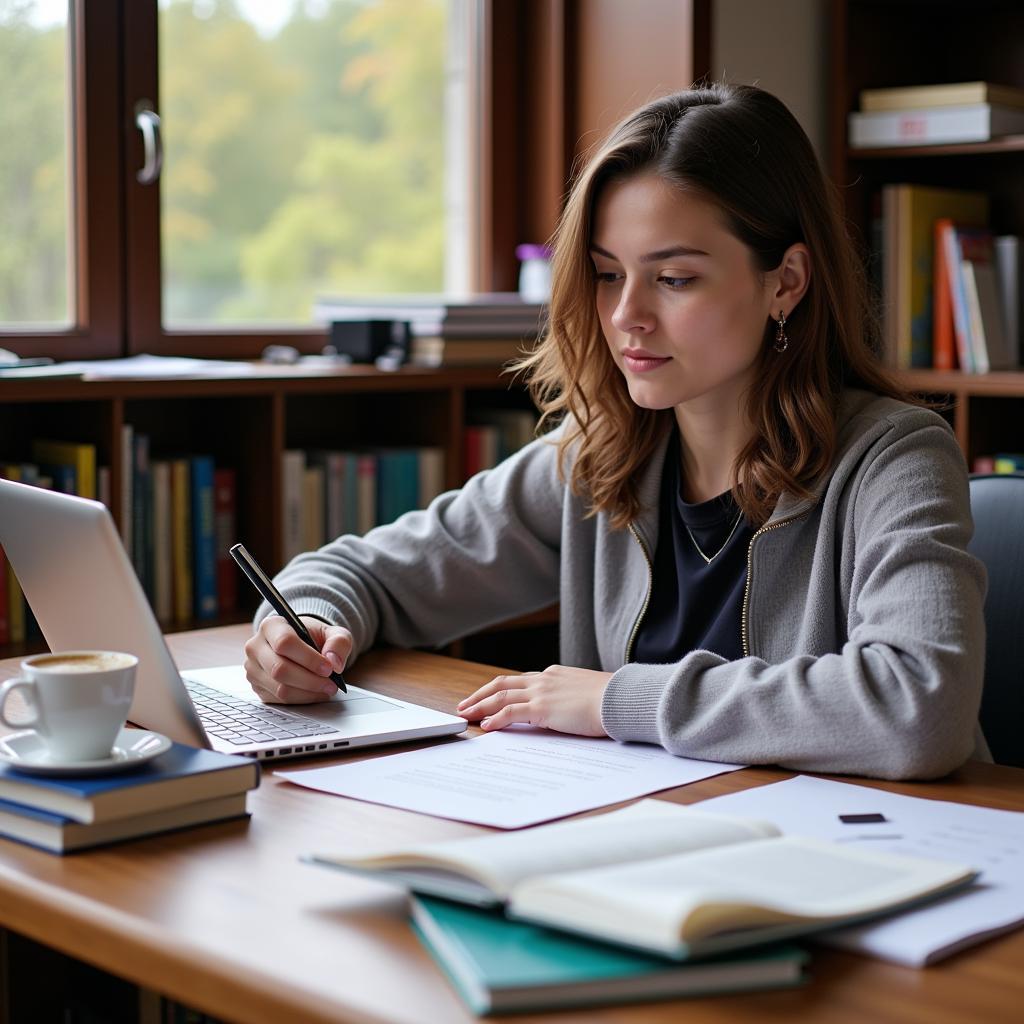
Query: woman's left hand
x=559 y=698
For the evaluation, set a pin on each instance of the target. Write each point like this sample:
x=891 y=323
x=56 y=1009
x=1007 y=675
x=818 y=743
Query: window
x=36 y=240
x=305 y=154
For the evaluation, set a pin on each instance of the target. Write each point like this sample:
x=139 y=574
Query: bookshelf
x=247 y=423
x=911 y=42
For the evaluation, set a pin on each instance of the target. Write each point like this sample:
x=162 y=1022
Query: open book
x=664 y=878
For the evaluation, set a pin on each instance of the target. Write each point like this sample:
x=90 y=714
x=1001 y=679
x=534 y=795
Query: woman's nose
x=633 y=313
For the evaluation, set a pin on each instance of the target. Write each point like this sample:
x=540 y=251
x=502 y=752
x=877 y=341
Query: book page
x=689 y=899
x=991 y=840
x=648 y=829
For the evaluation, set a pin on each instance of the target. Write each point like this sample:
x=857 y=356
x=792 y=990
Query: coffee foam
x=82 y=662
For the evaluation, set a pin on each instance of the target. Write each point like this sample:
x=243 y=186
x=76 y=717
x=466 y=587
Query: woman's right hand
x=282 y=669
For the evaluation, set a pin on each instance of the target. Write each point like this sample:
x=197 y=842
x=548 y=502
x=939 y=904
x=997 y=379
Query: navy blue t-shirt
x=695 y=604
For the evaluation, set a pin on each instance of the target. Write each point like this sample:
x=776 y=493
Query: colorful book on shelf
x=945 y=94
x=664 y=878
x=225 y=513
x=978 y=326
x=909 y=298
x=933 y=126
x=181 y=539
x=501 y=966
x=293 y=472
x=163 y=557
x=313 y=484
x=16 y=604
x=142 y=510
x=204 y=538
x=81 y=456
x=58 y=834
x=1008 y=270
x=182 y=775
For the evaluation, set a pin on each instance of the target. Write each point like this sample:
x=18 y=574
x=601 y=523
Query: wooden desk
x=226 y=918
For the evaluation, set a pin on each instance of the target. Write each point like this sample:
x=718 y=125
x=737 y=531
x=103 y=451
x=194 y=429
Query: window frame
x=96 y=220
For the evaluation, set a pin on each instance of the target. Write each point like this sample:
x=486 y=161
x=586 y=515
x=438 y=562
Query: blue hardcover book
x=181 y=775
x=64 y=477
x=498 y=965
x=204 y=538
x=58 y=834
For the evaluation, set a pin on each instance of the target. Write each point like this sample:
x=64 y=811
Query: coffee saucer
x=27 y=752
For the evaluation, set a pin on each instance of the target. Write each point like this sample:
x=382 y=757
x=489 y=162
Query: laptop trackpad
x=347 y=707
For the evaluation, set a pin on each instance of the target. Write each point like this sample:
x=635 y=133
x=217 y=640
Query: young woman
x=757 y=545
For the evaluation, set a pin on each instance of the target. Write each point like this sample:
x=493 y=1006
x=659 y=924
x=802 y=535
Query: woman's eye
x=606 y=276
x=675 y=282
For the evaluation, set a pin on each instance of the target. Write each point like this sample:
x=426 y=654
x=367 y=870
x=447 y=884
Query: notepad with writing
x=664 y=878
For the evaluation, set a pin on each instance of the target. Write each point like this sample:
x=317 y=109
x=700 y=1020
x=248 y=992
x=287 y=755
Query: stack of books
x=485 y=329
x=651 y=901
x=936 y=115
x=179 y=789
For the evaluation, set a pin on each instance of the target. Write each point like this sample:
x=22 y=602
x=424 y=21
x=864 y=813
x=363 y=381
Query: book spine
x=225 y=486
x=979 y=354
x=366 y=498
x=181 y=533
x=163 y=572
x=961 y=324
x=977 y=122
x=431 y=475
x=15 y=598
x=334 y=494
x=140 y=512
x=943 y=335
x=203 y=539
x=312 y=508
x=127 y=457
x=294 y=467
x=1007 y=254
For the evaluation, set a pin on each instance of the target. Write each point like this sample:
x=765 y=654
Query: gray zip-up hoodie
x=862 y=621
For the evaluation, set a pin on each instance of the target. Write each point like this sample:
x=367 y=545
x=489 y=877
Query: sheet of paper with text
x=992 y=841
x=510 y=779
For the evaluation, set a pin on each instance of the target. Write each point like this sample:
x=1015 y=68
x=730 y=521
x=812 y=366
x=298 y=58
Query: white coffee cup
x=80 y=700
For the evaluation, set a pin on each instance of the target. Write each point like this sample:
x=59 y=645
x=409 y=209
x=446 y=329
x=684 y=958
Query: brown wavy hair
x=741 y=149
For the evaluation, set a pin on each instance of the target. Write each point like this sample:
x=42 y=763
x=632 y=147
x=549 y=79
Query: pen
x=261 y=581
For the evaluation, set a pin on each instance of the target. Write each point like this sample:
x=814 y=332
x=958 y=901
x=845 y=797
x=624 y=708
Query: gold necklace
x=710 y=558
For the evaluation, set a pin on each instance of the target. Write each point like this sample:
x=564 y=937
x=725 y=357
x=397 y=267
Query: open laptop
x=83 y=591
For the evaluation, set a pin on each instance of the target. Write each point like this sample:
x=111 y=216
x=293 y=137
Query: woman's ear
x=793 y=276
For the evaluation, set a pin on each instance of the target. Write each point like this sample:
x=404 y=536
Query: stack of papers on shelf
x=178 y=789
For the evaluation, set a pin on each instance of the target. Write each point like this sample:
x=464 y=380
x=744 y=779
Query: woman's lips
x=638 y=360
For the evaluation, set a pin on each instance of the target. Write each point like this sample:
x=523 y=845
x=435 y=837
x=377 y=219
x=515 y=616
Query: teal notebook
x=499 y=966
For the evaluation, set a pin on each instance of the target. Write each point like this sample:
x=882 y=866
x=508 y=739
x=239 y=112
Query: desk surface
x=227 y=919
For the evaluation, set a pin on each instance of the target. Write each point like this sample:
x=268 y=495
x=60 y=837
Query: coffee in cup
x=80 y=700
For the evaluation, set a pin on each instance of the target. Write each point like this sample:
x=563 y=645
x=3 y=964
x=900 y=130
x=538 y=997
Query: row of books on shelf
x=942 y=114
x=178 y=520
x=56 y=465
x=1003 y=462
x=328 y=493
x=950 y=286
x=181 y=788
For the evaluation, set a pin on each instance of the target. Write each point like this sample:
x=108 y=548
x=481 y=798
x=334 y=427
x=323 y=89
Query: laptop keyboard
x=241 y=721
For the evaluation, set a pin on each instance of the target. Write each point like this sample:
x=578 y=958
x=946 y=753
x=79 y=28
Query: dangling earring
x=781 y=340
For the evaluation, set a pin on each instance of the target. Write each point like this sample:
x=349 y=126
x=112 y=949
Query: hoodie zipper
x=750 y=564
x=647 y=597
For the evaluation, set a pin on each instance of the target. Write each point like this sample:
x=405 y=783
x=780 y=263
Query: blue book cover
x=58 y=834
x=498 y=965
x=204 y=538
x=181 y=775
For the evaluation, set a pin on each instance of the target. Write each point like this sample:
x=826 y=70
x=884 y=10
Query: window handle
x=147 y=120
